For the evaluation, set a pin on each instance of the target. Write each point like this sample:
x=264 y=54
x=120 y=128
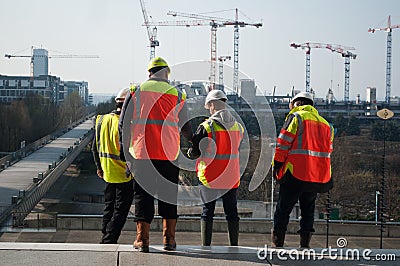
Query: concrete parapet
x=262 y=226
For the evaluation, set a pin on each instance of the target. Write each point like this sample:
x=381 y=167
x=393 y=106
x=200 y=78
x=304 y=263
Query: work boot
x=142 y=237
x=278 y=238
x=206 y=232
x=233 y=231
x=305 y=238
x=169 y=234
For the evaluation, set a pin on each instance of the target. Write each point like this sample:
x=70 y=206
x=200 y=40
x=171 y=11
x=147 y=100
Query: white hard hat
x=305 y=95
x=122 y=94
x=215 y=95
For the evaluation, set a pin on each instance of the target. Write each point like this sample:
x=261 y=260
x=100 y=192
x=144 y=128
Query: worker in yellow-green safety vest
x=118 y=192
x=216 y=145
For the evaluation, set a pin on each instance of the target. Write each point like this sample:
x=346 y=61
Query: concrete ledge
x=95 y=254
x=263 y=226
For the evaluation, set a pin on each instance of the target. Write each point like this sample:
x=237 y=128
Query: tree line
x=34 y=117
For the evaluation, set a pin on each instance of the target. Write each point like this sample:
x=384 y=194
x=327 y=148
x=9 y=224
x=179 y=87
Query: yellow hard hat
x=158 y=62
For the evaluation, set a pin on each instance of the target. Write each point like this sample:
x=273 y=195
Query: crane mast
x=221 y=60
x=236 y=54
x=389 y=30
x=347 y=56
x=151 y=32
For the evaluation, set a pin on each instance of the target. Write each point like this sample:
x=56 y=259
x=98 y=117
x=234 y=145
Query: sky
x=113 y=30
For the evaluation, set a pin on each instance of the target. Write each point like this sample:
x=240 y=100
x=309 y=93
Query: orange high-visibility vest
x=305 y=147
x=218 y=167
x=154 y=130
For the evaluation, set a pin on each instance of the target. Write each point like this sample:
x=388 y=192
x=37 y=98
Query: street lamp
x=385 y=114
x=377 y=193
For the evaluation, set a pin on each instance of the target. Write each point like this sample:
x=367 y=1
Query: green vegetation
x=357 y=168
x=34 y=117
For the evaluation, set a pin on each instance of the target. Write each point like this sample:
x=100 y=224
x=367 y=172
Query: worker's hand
x=191 y=154
x=100 y=173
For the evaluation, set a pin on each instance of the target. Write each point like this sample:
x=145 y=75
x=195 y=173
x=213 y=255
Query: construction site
x=52 y=201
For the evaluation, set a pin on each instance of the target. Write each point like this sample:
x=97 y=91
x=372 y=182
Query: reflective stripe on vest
x=308 y=158
x=220 y=170
x=108 y=149
x=155 y=132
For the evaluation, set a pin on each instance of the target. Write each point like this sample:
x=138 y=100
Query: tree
x=72 y=109
x=105 y=107
x=340 y=124
x=353 y=126
x=390 y=132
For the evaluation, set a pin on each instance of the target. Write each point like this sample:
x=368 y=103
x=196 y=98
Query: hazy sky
x=112 y=30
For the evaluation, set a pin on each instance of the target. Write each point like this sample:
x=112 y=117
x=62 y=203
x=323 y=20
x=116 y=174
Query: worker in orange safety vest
x=158 y=114
x=302 y=166
x=217 y=165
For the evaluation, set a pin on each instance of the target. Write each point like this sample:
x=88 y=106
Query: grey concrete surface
x=191 y=238
x=95 y=254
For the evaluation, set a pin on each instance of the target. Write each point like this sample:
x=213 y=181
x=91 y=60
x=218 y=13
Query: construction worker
x=118 y=193
x=158 y=113
x=301 y=166
x=218 y=166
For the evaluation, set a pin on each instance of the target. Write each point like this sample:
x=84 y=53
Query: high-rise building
x=371 y=95
x=247 y=90
x=40 y=62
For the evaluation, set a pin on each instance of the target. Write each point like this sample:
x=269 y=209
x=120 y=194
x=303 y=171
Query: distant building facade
x=41 y=83
x=50 y=87
x=82 y=87
x=17 y=87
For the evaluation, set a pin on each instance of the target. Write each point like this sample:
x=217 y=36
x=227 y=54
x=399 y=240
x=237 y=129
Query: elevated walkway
x=24 y=183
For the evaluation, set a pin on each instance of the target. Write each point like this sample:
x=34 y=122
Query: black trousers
x=288 y=197
x=155 y=179
x=229 y=202
x=118 y=199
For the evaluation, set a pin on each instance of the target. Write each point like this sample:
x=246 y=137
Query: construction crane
x=221 y=60
x=388 y=29
x=221 y=22
x=188 y=23
x=307 y=47
x=347 y=56
x=45 y=56
x=151 y=32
